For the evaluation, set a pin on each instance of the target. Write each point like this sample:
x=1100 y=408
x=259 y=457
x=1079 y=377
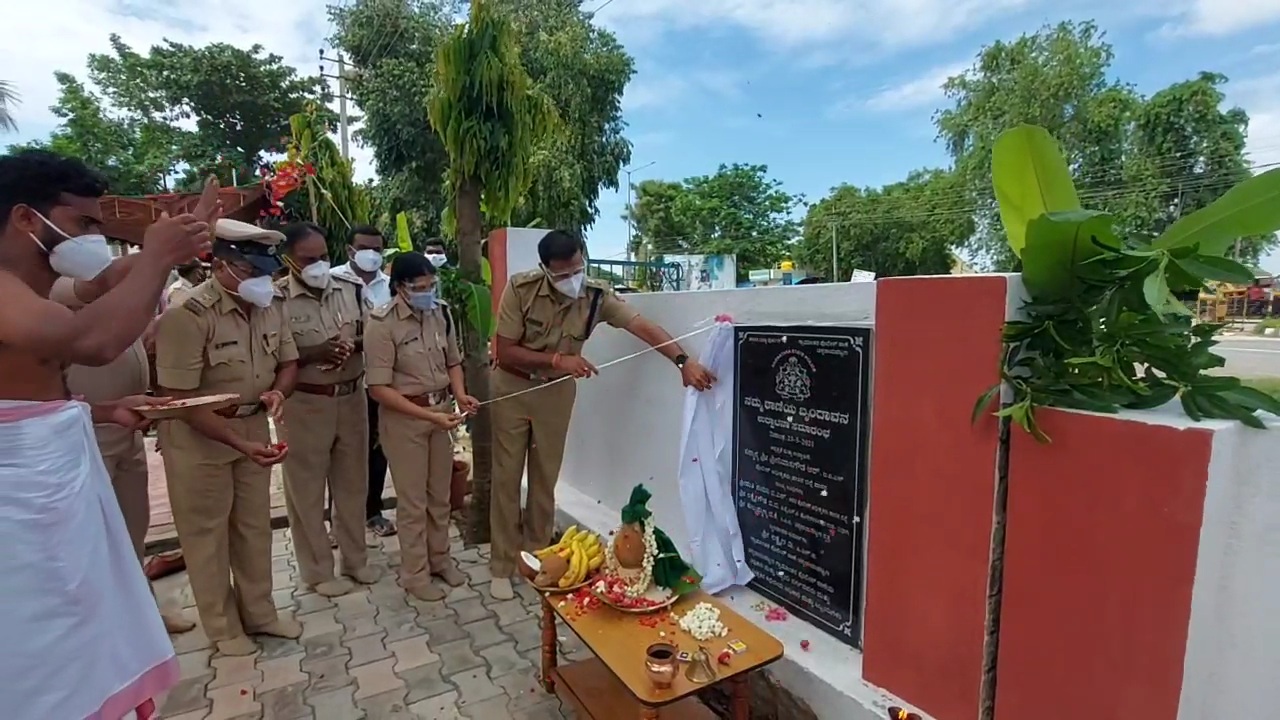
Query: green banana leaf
x=404 y=243
x=1057 y=243
x=1030 y=178
x=486 y=272
x=1250 y=208
x=479 y=310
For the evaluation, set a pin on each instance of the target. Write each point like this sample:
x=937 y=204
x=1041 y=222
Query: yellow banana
x=575 y=561
x=594 y=562
x=569 y=534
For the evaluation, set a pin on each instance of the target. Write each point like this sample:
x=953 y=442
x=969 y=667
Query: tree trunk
x=475 y=364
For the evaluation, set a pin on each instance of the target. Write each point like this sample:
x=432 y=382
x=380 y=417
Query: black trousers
x=377 y=466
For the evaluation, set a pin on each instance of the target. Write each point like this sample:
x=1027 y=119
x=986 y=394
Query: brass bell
x=701 y=670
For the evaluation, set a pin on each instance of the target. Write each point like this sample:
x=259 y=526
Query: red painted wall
x=932 y=481
x=1103 y=534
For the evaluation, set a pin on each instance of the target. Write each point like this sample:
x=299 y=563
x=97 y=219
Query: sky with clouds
x=822 y=91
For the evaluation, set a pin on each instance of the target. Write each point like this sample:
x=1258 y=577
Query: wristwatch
x=680 y=360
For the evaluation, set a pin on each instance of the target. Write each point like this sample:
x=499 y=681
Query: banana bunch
x=582 y=549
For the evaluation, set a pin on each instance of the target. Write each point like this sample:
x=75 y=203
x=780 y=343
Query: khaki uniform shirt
x=409 y=350
x=539 y=317
x=208 y=345
x=129 y=374
x=317 y=316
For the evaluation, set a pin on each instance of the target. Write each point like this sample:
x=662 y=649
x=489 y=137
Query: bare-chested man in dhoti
x=81 y=634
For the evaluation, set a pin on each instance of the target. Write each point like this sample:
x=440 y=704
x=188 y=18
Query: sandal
x=381 y=526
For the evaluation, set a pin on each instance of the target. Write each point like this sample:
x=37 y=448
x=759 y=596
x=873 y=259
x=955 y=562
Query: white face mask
x=316 y=275
x=83 y=257
x=259 y=291
x=367 y=260
x=437 y=259
x=570 y=286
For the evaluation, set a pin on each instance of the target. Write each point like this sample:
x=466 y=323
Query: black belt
x=329 y=390
x=431 y=398
x=241 y=411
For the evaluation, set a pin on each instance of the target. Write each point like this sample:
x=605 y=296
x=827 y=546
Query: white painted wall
x=522 y=249
x=626 y=429
x=1233 y=642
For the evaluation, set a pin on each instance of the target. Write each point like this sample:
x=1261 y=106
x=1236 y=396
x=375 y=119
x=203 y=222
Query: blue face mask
x=423 y=300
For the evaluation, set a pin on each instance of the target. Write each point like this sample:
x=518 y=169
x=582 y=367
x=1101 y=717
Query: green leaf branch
x=1103 y=329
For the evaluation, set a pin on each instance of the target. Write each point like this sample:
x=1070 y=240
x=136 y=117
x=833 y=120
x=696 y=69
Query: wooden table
x=614 y=685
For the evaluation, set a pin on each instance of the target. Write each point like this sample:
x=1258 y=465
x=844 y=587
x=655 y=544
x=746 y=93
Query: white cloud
x=1260 y=97
x=29 y=58
x=803 y=25
x=1224 y=17
x=665 y=89
x=924 y=90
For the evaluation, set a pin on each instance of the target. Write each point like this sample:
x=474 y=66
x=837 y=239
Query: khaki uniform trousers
x=420 y=454
x=222 y=511
x=328 y=447
x=125 y=455
x=533 y=426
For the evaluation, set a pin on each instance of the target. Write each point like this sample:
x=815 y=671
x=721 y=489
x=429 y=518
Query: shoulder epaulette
x=201 y=298
x=348 y=279
x=526 y=277
x=598 y=284
x=381 y=311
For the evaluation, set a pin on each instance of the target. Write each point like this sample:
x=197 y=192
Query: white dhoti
x=80 y=634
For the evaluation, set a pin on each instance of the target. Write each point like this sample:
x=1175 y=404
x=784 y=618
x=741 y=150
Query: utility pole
x=344 y=129
x=631 y=227
x=342 y=106
x=835 y=259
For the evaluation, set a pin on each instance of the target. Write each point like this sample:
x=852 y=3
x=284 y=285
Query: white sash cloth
x=80 y=631
x=706 y=471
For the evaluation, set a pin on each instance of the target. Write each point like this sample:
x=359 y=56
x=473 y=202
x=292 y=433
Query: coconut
x=530 y=565
x=553 y=568
x=628 y=546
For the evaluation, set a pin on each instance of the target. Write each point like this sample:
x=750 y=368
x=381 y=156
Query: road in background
x=1250 y=357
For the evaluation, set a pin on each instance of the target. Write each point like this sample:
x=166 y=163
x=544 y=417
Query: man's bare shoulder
x=20 y=298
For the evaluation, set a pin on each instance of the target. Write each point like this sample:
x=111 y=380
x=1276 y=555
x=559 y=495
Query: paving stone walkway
x=374 y=654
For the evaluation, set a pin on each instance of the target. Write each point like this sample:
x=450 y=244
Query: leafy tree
x=582 y=69
x=490 y=117
x=1057 y=79
x=1144 y=160
x=739 y=210
x=240 y=101
x=391 y=46
x=8 y=100
x=136 y=156
x=1189 y=151
x=883 y=230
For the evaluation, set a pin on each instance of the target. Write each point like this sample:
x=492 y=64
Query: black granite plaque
x=800 y=456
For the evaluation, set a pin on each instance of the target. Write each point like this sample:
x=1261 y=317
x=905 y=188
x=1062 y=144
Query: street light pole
x=631 y=228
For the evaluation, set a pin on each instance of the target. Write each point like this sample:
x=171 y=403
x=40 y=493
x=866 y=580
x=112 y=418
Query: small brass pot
x=660 y=663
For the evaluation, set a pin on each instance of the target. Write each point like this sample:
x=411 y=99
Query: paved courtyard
x=375 y=653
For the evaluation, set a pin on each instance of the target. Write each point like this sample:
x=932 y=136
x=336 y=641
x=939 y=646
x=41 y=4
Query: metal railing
x=645 y=276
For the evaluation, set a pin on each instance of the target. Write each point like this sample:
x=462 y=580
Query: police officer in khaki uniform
x=231 y=335
x=414 y=372
x=544 y=318
x=327 y=415
x=123 y=450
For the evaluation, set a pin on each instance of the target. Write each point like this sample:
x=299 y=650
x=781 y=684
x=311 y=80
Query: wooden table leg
x=548 y=646
x=740 y=698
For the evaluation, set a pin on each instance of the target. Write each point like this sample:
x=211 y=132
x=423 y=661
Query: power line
x=1221 y=181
